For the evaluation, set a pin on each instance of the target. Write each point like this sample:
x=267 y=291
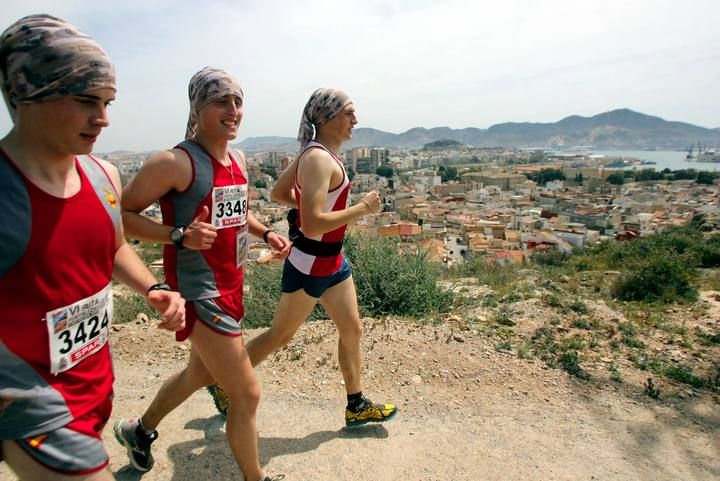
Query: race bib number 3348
x=229 y=206
x=79 y=330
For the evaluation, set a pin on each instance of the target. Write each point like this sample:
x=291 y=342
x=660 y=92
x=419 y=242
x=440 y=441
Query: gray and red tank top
x=224 y=190
x=56 y=263
x=338 y=198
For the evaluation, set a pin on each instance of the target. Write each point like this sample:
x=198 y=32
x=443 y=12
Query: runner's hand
x=279 y=243
x=172 y=307
x=372 y=201
x=200 y=235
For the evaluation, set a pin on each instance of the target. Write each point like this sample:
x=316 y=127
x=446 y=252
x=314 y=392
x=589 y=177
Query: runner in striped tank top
x=317 y=186
x=338 y=199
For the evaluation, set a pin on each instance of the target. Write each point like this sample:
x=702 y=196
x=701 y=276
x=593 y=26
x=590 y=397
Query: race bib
x=241 y=245
x=229 y=206
x=79 y=330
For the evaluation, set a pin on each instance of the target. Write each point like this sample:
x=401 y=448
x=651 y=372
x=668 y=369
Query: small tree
x=269 y=170
x=616 y=178
x=706 y=178
x=546 y=175
x=448 y=173
x=384 y=171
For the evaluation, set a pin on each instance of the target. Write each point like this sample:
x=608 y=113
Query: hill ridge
x=621 y=128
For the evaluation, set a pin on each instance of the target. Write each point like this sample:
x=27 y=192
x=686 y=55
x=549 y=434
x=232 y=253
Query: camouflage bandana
x=44 y=58
x=324 y=104
x=206 y=86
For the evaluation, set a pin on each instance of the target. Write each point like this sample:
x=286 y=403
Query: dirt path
x=468 y=413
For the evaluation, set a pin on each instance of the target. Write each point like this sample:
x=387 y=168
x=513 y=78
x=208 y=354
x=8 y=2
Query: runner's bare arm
x=161 y=173
x=129 y=269
x=317 y=171
x=284 y=189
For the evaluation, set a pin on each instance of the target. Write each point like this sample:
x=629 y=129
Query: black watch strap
x=160 y=286
x=266 y=233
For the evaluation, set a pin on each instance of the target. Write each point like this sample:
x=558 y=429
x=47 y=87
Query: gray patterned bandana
x=206 y=86
x=324 y=104
x=44 y=58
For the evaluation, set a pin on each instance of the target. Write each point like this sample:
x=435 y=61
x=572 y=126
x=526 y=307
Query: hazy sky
x=405 y=63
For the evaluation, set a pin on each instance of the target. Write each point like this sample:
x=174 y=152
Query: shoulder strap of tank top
x=16 y=220
x=103 y=186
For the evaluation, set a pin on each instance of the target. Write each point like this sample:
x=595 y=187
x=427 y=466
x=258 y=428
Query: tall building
x=360 y=153
x=365 y=165
x=274 y=158
x=380 y=156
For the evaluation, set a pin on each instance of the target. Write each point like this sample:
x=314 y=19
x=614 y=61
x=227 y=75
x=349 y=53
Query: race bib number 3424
x=79 y=330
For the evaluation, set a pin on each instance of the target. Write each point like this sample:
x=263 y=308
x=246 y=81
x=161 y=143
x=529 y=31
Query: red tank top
x=68 y=255
x=214 y=272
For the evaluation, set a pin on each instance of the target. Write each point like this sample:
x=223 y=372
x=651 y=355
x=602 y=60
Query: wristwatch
x=177 y=235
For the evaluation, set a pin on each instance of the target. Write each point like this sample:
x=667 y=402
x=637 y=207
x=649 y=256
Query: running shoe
x=369 y=412
x=220 y=398
x=133 y=438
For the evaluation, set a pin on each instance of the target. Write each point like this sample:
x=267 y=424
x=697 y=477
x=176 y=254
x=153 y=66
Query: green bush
x=684 y=374
x=263 y=294
x=554 y=257
x=658 y=278
x=389 y=281
x=697 y=249
x=491 y=274
x=570 y=362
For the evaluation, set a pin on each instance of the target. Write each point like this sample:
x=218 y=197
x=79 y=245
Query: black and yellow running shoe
x=220 y=398
x=369 y=412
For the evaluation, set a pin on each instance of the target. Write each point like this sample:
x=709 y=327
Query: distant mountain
x=442 y=144
x=617 y=129
x=257 y=144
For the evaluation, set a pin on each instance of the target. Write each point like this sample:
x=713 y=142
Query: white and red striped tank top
x=338 y=198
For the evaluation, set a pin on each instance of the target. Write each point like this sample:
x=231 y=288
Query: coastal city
x=460 y=202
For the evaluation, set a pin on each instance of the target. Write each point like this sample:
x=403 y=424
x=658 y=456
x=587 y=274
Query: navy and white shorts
x=293 y=279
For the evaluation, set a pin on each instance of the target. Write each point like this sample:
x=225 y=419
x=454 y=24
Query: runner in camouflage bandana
x=61 y=241
x=324 y=104
x=44 y=58
x=206 y=86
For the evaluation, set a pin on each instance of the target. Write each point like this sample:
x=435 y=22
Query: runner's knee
x=246 y=398
x=351 y=330
x=281 y=336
